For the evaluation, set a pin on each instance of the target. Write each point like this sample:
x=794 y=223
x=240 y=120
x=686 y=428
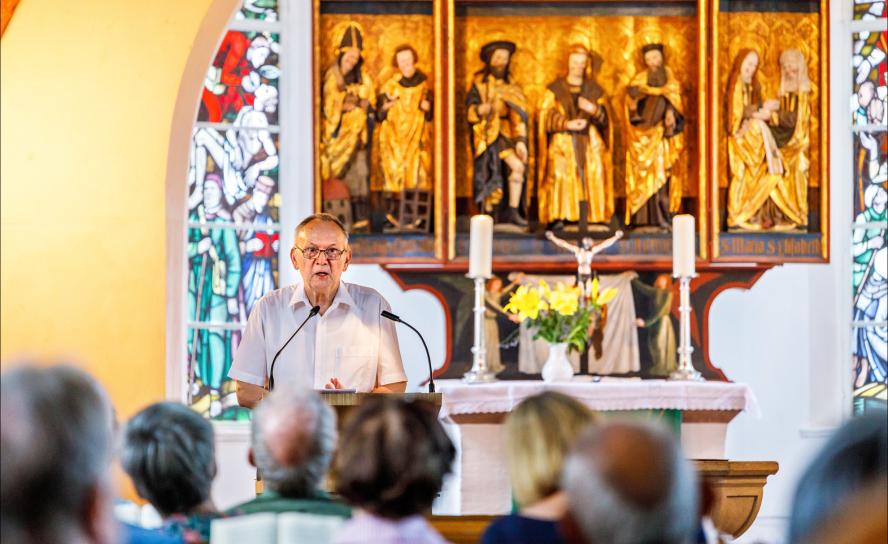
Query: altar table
x=473 y=416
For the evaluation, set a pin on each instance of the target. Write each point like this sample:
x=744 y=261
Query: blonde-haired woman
x=539 y=434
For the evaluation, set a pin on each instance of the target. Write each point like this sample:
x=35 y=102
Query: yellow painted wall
x=88 y=93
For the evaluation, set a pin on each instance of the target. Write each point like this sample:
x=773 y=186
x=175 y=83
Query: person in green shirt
x=292 y=443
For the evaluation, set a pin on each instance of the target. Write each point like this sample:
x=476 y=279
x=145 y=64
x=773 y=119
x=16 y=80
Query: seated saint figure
x=758 y=192
x=790 y=125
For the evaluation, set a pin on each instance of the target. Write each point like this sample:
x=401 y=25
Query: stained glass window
x=233 y=203
x=869 y=231
x=864 y=9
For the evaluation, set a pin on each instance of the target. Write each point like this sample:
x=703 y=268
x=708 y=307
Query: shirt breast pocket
x=357 y=367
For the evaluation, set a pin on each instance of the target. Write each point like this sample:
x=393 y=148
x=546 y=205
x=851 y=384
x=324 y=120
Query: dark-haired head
x=169 y=453
x=393 y=457
x=855 y=456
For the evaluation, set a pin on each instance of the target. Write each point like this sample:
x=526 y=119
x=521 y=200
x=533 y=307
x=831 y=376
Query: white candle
x=481 y=247
x=683 y=251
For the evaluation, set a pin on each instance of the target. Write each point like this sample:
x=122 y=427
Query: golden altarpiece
x=582 y=118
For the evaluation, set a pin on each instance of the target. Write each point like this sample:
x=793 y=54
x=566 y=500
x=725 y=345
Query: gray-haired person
x=628 y=483
x=169 y=452
x=56 y=438
x=292 y=443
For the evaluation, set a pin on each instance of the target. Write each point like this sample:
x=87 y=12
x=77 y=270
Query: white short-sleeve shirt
x=351 y=341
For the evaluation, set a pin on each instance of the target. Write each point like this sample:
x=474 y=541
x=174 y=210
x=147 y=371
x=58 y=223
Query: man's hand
x=484 y=108
x=577 y=125
x=249 y=395
x=396 y=387
x=334 y=383
x=639 y=323
x=425 y=105
x=669 y=120
x=389 y=102
x=521 y=150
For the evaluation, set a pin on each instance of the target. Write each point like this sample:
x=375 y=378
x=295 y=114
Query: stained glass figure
x=244 y=74
x=870 y=78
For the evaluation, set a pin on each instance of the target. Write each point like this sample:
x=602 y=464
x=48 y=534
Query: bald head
x=294 y=433
x=629 y=483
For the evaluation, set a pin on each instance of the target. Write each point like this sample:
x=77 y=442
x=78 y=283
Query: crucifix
x=585 y=250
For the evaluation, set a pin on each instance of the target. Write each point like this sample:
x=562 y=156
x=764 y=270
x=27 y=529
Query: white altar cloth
x=473 y=415
x=610 y=394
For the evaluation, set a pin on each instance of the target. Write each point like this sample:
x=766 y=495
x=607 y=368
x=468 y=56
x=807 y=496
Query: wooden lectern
x=345 y=403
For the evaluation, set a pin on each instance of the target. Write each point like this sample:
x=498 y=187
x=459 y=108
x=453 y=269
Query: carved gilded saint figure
x=655 y=141
x=574 y=145
x=348 y=98
x=497 y=115
x=758 y=192
x=790 y=125
x=404 y=113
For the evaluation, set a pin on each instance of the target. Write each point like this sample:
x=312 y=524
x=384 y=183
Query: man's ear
x=347 y=257
x=293 y=251
x=99 y=524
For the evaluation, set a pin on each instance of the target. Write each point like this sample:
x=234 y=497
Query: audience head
x=628 y=483
x=169 y=453
x=56 y=442
x=856 y=456
x=294 y=435
x=539 y=434
x=393 y=457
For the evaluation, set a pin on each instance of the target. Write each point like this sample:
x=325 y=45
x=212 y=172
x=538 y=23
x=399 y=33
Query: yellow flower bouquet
x=562 y=314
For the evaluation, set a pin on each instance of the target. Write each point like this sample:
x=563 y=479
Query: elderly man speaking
x=343 y=342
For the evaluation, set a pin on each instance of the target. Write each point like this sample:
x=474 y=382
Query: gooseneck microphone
x=313 y=312
x=388 y=315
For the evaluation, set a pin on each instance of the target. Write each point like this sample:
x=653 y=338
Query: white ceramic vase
x=557 y=367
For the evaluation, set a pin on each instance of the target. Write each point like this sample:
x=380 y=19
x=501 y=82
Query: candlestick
x=481 y=247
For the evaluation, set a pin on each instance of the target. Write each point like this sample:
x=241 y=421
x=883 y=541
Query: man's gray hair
x=309 y=441
x=324 y=217
x=56 y=444
x=665 y=514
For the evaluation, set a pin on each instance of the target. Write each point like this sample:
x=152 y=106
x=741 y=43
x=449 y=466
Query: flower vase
x=557 y=367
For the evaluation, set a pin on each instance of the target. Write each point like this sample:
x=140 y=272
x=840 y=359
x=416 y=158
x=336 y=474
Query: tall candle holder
x=479 y=373
x=685 y=370
x=480 y=269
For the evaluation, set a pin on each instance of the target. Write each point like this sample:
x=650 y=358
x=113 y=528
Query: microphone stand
x=388 y=315
x=314 y=311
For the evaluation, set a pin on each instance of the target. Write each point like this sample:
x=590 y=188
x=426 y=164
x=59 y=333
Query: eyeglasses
x=311 y=253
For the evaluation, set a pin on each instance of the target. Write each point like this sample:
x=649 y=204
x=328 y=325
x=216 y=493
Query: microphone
x=314 y=311
x=388 y=315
